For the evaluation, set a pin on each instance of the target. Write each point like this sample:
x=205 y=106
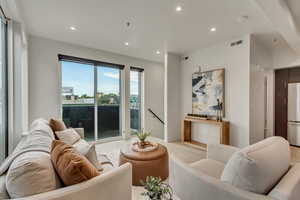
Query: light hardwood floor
x=295 y=151
x=181 y=151
x=184 y=152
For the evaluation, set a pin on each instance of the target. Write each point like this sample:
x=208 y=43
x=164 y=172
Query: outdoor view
x=100 y=114
x=78 y=97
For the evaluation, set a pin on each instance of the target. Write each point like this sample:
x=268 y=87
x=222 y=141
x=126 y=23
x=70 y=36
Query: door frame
x=282 y=78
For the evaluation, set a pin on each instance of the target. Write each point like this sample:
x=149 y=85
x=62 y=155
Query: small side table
x=154 y=163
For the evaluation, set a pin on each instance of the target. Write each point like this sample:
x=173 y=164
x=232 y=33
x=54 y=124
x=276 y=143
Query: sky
x=81 y=78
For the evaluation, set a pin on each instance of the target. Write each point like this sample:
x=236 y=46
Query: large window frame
x=97 y=65
x=140 y=72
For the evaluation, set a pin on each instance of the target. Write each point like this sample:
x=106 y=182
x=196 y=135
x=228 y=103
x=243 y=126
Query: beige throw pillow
x=31 y=173
x=71 y=166
x=68 y=136
x=89 y=151
x=257 y=168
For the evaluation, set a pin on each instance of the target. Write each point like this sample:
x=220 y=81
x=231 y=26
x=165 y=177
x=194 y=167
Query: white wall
x=236 y=61
x=261 y=64
x=285 y=57
x=44 y=79
x=172 y=97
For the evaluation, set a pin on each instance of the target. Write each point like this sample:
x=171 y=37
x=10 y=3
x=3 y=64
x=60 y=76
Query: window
x=78 y=97
x=3 y=92
x=91 y=97
x=135 y=98
x=108 y=101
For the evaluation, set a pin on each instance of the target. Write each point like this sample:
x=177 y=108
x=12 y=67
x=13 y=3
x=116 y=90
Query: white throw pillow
x=92 y=157
x=31 y=173
x=82 y=146
x=257 y=168
x=89 y=151
x=68 y=136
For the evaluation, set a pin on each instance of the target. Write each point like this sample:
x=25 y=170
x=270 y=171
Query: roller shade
x=88 y=61
x=136 y=69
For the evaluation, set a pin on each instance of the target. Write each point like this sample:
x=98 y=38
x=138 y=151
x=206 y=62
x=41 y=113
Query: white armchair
x=191 y=184
x=202 y=179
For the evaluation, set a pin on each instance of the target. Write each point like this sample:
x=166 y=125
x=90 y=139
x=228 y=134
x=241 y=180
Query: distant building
x=68 y=91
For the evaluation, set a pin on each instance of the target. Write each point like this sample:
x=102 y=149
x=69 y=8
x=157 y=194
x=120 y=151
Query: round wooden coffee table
x=154 y=163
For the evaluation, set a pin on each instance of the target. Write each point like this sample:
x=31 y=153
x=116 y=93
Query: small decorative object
x=208 y=93
x=156 y=189
x=142 y=137
x=149 y=146
x=219 y=111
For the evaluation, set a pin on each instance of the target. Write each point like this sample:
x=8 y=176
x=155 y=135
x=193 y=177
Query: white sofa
x=202 y=179
x=113 y=183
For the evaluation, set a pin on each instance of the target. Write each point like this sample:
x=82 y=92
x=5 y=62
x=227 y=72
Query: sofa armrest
x=80 y=131
x=112 y=185
x=220 y=152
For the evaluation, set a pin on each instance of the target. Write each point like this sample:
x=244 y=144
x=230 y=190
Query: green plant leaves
x=156 y=189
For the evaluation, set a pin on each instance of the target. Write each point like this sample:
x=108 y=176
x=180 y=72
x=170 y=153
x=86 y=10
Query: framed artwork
x=209 y=93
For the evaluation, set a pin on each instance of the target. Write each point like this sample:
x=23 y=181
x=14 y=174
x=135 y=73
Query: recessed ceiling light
x=126 y=43
x=213 y=29
x=178 y=8
x=72 y=28
x=157 y=52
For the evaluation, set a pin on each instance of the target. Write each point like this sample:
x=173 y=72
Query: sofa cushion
x=71 y=166
x=257 y=168
x=209 y=167
x=289 y=186
x=3 y=191
x=31 y=173
x=68 y=136
x=41 y=127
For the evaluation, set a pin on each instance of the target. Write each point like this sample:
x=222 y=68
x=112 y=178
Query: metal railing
x=155 y=115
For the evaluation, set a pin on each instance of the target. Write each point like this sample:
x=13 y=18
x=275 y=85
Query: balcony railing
x=82 y=116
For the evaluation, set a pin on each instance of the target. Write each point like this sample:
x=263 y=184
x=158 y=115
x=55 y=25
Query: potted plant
x=142 y=135
x=156 y=189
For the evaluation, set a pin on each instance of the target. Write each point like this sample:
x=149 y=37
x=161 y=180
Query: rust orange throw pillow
x=72 y=167
x=57 y=125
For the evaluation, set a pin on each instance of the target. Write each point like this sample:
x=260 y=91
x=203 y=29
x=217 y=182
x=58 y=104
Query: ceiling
x=294 y=6
x=154 y=24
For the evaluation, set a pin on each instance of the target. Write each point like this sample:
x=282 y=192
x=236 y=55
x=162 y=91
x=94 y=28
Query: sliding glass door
x=108 y=100
x=78 y=97
x=91 y=99
x=3 y=92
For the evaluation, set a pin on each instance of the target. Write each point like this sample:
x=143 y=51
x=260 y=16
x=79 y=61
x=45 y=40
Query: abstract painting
x=208 y=92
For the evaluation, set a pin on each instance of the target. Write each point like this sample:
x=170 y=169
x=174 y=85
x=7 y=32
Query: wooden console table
x=186 y=136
